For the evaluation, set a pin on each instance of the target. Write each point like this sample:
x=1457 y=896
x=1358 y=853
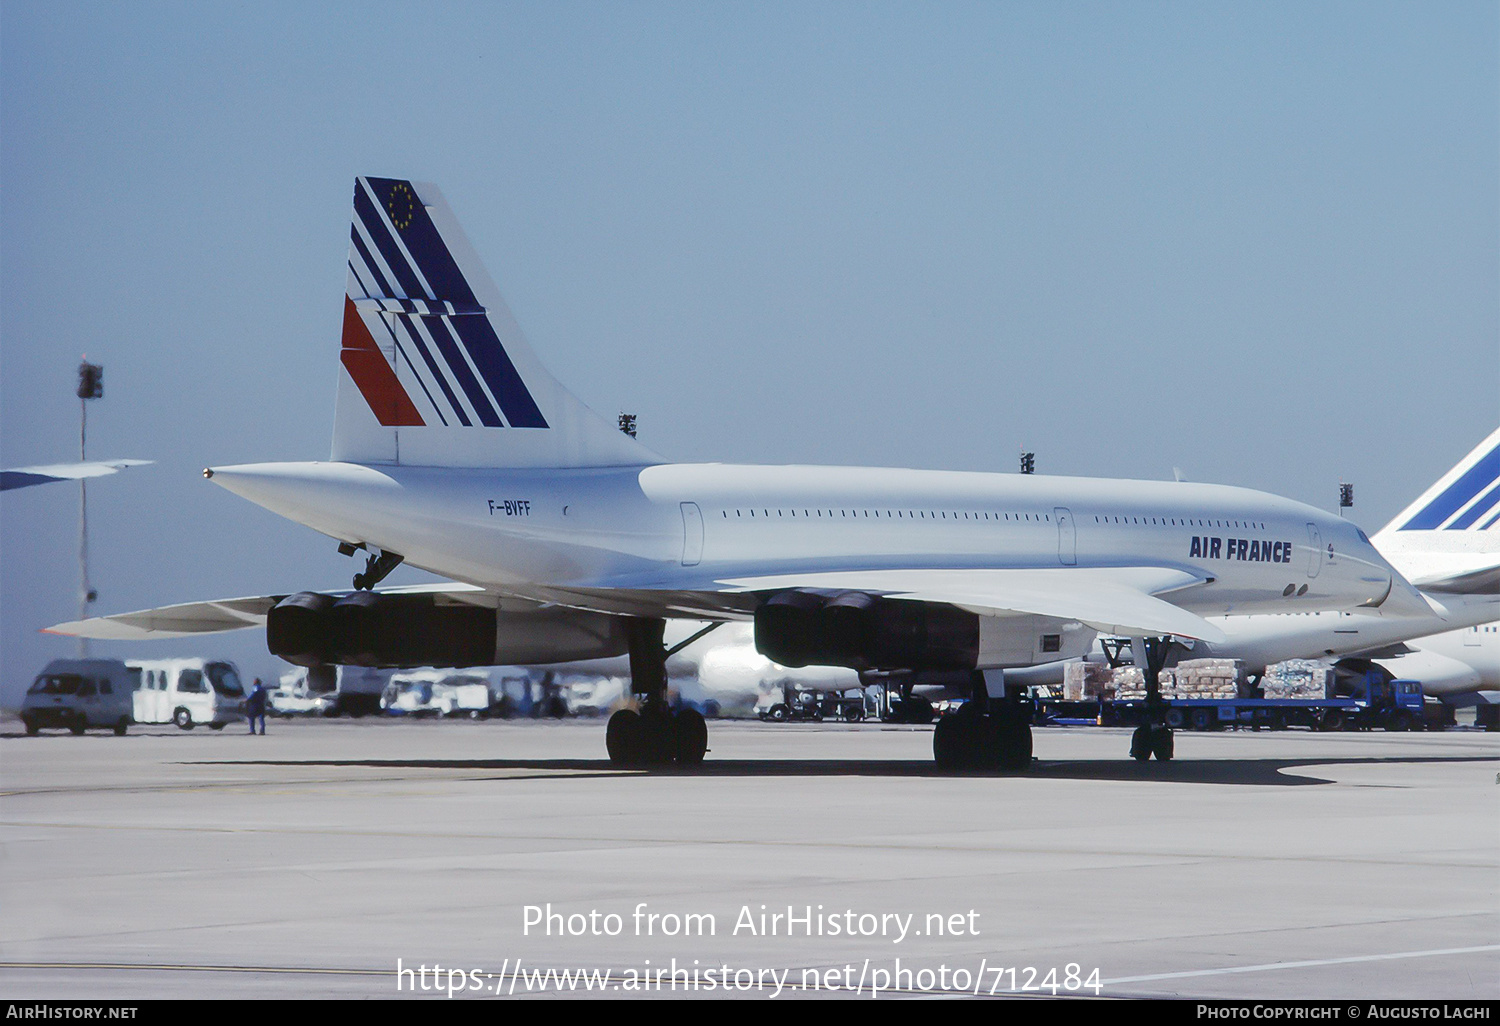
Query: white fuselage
x=1264 y=639
x=1454 y=662
x=598 y=536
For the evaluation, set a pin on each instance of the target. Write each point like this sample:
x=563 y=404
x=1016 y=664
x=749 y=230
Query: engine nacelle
x=861 y=631
x=403 y=631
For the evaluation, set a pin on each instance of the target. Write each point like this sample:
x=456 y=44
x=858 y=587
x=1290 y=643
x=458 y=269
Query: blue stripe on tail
x=1453 y=498
x=475 y=333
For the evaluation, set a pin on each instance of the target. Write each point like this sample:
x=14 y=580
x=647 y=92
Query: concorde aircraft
x=456 y=451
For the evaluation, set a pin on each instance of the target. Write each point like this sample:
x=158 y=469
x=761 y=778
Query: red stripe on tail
x=373 y=375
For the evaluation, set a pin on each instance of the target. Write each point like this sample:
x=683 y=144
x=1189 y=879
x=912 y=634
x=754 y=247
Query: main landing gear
x=985 y=733
x=654 y=736
x=1152 y=737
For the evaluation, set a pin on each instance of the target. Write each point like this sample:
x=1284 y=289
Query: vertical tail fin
x=434 y=369
x=1467 y=498
x=1452 y=531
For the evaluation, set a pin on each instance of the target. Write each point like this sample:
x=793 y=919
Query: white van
x=187 y=692
x=79 y=694
x=436 y=693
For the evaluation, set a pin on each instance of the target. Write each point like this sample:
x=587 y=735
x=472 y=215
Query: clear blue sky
x=1260 y=242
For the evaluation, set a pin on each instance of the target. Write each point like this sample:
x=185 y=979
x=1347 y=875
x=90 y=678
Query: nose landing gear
x=1154 y=737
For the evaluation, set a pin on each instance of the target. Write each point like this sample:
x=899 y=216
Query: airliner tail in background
x=1448 y=540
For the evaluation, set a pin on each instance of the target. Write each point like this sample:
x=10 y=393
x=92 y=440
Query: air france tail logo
x=406 y=283
x=1470 y=502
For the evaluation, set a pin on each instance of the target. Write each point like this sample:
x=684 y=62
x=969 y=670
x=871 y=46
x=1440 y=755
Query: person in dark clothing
x=255 y=706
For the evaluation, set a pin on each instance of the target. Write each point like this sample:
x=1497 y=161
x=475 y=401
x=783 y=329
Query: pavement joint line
x=1308 y=963
x=757 y=843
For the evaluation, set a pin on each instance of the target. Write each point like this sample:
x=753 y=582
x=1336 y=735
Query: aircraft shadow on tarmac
x=1282 y=772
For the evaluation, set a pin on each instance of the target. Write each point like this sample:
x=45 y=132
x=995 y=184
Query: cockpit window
x=1362 y=536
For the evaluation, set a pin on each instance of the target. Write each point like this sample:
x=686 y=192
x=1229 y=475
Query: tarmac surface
x=308 y=862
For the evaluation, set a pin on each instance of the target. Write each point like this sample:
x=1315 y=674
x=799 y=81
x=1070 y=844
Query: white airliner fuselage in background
x=455 y=450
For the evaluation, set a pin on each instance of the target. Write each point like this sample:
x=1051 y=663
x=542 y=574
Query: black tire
x=1176 y=718
x=183 y=719
x=216 y=726
x=624 y=738
x=953 y=744
x=1162 y=744
x=1333 y=719
x=1202 y=719
x=779 y=713
x=31 y=727
x=1012 y=745
x=1140 y=743
x=690 y=737
x=122 y=726
x=77 y=729
x=853 y=714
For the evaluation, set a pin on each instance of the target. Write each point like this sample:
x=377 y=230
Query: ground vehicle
x=187 y=692
x=295 y=698
x=797 y=704
x=1365 y=702
x=79 y=694
x=429 y=693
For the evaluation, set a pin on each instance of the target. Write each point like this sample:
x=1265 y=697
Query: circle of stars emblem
x=401 y=205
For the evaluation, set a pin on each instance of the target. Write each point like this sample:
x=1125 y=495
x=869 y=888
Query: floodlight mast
x=90 y=386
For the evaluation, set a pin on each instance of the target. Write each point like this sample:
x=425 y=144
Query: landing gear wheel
x=690 y=737
x=1162 y=743
x=658 y=737
x=1140 y=743
x=953 y=743
x=624 y=738
x=121 y=727
x=183 y=719
x=1014 y=744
